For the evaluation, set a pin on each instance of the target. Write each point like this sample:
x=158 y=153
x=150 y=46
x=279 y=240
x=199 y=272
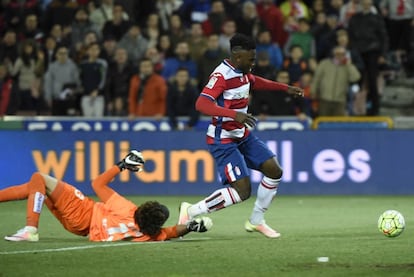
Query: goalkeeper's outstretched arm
x=200 y=225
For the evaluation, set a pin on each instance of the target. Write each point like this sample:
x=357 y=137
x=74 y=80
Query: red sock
x=18 y=192
x=37 y=191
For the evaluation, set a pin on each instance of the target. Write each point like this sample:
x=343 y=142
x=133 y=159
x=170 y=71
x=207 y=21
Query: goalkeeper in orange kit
x=113 y=219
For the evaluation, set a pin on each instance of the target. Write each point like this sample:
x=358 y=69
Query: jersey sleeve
x=206 y=102
x=120 y=205
x=214 y=87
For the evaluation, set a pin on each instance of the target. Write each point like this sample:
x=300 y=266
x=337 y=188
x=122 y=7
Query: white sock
x=218 y=200
x=265 y=193
x=31 y=229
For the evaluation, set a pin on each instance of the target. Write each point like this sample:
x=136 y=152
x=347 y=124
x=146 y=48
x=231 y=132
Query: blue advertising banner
x=116 y=124
x=178 y=163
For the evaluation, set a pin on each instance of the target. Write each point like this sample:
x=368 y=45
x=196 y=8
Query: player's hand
x=200 y=225
x=295 y=91
x=134 y=161
x=246 y=119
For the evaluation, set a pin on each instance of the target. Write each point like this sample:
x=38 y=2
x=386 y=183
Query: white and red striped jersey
x=230 y=89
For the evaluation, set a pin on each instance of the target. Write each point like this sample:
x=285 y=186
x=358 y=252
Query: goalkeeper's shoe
x=134 y=161
x=263 y=228
x=25 y=234
x=184 y=217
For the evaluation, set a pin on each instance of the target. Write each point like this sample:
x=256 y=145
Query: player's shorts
x=233 y=160
x=73 y=209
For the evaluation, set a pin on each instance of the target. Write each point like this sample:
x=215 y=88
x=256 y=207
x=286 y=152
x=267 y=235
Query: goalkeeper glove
x=134 y=161
x=201 y=224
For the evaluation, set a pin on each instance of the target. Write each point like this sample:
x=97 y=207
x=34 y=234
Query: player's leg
x=259 y=157
x=37 y=187
x=17 y=192
x=233 y=170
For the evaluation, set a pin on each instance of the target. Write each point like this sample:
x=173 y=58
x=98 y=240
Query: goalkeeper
x=113 y=219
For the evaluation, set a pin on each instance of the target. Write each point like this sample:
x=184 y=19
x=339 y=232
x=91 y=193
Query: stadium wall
x=315 y=162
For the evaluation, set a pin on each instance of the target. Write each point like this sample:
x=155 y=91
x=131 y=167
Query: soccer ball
x=391 y=223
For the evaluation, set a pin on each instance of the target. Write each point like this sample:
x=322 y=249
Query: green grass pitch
x=343 y=228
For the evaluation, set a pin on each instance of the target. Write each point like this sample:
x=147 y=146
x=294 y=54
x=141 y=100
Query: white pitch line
x=74 y=248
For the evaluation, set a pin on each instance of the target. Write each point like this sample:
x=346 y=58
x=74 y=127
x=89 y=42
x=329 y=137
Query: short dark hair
x=242 y=42
x=150 y=217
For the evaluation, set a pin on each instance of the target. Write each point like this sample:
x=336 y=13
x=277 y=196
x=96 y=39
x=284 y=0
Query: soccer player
x=113 y=219
x=234 y=148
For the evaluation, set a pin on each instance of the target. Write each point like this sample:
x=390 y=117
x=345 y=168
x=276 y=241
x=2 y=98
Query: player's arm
x=206 y=102
x=260 y=83
x=199 y=225
x=133 y=162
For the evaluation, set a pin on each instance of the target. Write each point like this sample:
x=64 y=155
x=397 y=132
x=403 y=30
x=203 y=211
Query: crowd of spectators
x=152 y=58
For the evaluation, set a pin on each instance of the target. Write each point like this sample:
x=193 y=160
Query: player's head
x=243 y=52
x=150 y=217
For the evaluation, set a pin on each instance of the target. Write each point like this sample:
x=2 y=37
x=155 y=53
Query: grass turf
x=343 y=228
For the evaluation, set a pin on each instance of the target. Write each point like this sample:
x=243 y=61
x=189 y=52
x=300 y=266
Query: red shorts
x=72 y=208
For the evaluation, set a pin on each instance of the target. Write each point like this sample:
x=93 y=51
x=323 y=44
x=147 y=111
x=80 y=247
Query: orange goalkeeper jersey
x=114 y=221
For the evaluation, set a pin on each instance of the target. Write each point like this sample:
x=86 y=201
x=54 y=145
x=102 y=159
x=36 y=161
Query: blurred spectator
x=49 y=51
x=118 y=26
x=147 y=92
x=318 y=6
x=165 y=46
x=81 y=52
x=368 y=35
x=8 y=47
x=165 y=8
x=156 y=58
x=31 y=29
x=134 y=43
x=334 y=7
x=61 y=84
x=348 y=10
x=310 y=105
x=278 y=103
x=295 y=63
x=59 y=12
x=108 y=50
x=265 y=69
x=318 y=29
x=81 y=25
x=331 y=83
x=327 y=39
x=181 y=98
x=117 y=84
x=197 y=42
x=8 y=90
x=139 y=9
x=233 y=8
x=93 y=75
x=272 y=17
x=194 y=10
x=248 y=22
x=213 y=56
x=181 y=59
x=104 y=13
x=61 y=37
x=177 y=31
x=295 y=8
x=400 y=19
x=215 y=19
x=152 y=29
x=304 y=38
x=27 y=69
x=264 y=44
x=228 y=31
x=342 y=39
x=16 y=10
